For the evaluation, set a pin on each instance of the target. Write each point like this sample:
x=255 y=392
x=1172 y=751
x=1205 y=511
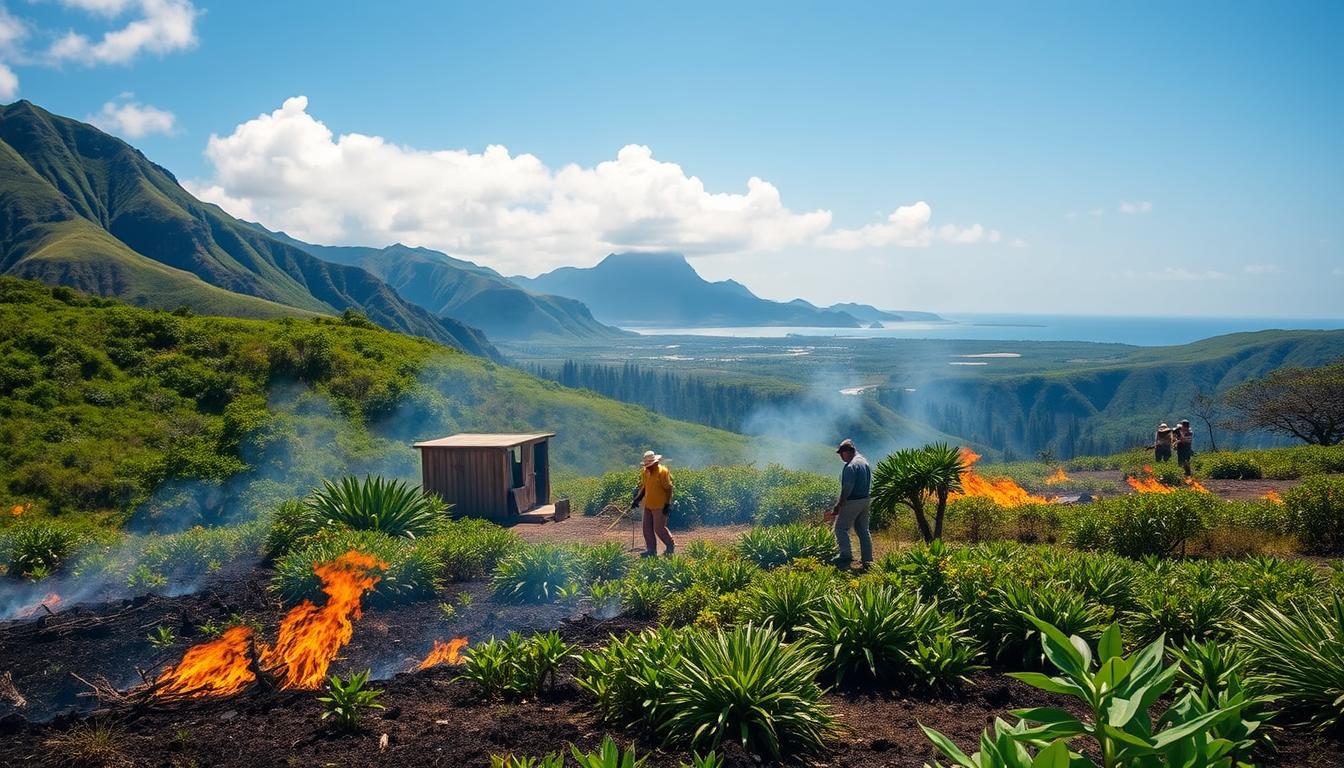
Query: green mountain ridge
x=84 y=209
x=455 y=288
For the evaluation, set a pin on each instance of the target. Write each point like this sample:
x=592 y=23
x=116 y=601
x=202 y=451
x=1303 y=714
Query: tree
x=1205 y=407
x=1307 y=403
x=911 y=476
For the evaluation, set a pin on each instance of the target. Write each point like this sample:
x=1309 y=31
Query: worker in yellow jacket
x=655 y=490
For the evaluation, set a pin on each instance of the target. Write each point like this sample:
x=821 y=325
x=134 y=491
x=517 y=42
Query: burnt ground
x=431 y=718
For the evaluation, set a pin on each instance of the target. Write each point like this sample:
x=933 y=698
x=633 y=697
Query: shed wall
x=475 y=480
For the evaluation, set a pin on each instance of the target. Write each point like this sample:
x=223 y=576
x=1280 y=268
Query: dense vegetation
x=171 y=419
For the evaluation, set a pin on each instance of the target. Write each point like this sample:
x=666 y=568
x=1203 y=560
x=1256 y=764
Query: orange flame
x=1150 y=484
x=1195 y=485
x=50 y=600
x=1057 y=477
x=19 y=509
x=221 y=667
x=1273 y=496
x=308 y=641
x=311 y=636
x=1003 y=491
x=444 y=653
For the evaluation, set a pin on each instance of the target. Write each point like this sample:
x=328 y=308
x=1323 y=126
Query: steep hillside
x=84 y=209
x=661 y=289
x=470 y=293
x=173 y=419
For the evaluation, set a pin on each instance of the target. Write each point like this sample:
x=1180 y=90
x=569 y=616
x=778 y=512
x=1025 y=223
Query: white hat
x=652 y=458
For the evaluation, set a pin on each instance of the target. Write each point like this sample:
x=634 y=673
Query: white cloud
x=132 y=120
x=163 y=26
x=9 y=83
x=1018 y=242
x=289 y=171
x=1177 y=275
x=1261 y=269
x=1142 y=206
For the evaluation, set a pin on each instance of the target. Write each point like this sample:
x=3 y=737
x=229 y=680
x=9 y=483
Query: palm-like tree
x=911 y=477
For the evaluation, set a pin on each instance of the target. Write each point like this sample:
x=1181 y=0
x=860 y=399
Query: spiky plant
x=747 y=685
x=1297 y=654
x=1012 y=607
x=535 y=574
x=871 y=632
x=912 y=477
x=392 y=507
x=608 y=755
x=785 y=599
x=776 y=545
x=629 y=676
x=347 y=699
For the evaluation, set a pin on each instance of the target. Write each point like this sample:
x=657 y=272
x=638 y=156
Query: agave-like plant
x=1297 y=654
x=912 y=477
x=535 y=574
x=872 y=631
x=746 y=684
x=393 y=507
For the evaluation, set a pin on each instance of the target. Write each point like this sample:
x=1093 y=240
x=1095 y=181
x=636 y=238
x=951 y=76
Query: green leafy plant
x=746 y=684
x=911 y=478
x=1116 y=692
x=1297 y=655
x=534 y=574
x=606 y=598
x=393 y=507
x=642 y=599
x=724 y=575
x=608 y=755
x=1316 y=514
x=412 y=571
x=785 y=599
x=773 y=546
x=162 y=636
x=550 y=760
x=629 y=677
x=346 y=700
x=1012 y=611
x=516 y=666
x=607 y=561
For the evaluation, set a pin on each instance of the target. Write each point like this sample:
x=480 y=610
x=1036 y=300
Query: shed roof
x=471 y=440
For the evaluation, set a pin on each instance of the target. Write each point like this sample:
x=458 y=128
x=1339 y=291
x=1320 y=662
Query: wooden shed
x=502 y=477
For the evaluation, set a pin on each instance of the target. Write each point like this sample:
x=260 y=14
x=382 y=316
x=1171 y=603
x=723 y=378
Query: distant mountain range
x=84 y=209
x=635 y=290
x=451 y=287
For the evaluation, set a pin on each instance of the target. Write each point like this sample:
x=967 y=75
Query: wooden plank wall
x=474 y=480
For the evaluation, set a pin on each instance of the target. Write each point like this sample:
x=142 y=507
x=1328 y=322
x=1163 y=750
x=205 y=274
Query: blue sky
x=1138 y=158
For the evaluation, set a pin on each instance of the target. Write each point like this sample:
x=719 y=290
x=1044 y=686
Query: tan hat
x=1163 y=426
x=651 y=458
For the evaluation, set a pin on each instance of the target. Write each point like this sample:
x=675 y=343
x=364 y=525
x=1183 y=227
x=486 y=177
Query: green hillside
x=459 y=289
x=84 y=209
x=172 y=418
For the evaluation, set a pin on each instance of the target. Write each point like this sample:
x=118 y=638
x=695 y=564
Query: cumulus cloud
x=161 y=26
x=12 y=32
x=290 y=171
x=1141 y=206
x=1261 y=269
x=132 y=120
x=9 y=83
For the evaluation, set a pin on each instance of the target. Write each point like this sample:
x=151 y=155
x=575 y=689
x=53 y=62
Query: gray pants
x=854 y=514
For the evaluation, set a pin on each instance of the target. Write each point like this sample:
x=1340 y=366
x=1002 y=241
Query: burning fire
x=310 y=636
x=20 y=509
x=1150 y=484
x=221 y=667
x=444 y=653
x=1057 y=477
x=1273 y=496
x=1003 y=491
x=50 y=600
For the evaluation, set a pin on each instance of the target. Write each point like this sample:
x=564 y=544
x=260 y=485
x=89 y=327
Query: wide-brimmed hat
x=1163 y=425
x=651 y=458
x=846 y=445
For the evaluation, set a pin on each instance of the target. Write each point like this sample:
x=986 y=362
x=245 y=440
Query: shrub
x=289 y=524
x=872 y=632
x=1181 y=611
x=1114 y=691
x=681 y=608
x=40 y=547
x=1014 y=610
x=724 y=574
x=1143 y=524
x=607 y=561
x=769 y=547
x=785 y=599
x=608 y=755
x=629 y=676
x=535 y=574
x=1231 y=466
x=747 y=685
x=516 y=666
x=1315 y=510
x=642 y=599
x=975 y=518
x=1297 y=654
x=346 y=700
x=412 y=572
x=392 y=507
x=470 y=549
x=804 y=499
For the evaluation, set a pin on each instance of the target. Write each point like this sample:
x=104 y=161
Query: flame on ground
x=1150 y=484
x=1003 y=491
x=221 y=667
x=310 y=635
x=1057 y=477
x=1273 y=496
x=49 y=601
x=444 y=653
x=1195 y=485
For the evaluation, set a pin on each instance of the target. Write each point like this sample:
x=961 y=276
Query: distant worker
x=852 y=509
x=1162 y=443
x=655 y=490
x=1185 y=445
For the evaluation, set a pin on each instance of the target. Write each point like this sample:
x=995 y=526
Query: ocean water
x=1141 y=331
